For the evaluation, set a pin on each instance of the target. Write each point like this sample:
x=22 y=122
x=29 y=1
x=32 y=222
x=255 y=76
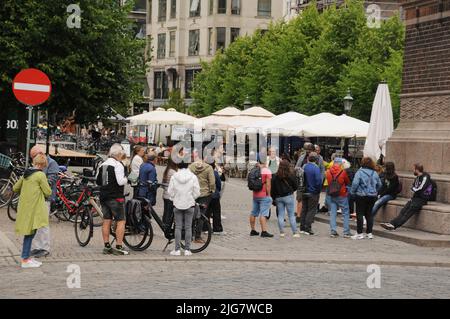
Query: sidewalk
x=9 y=253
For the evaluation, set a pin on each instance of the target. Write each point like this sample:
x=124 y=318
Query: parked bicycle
x=15 y=165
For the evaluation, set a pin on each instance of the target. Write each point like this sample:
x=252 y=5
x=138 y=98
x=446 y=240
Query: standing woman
x=365 y=186
x=32 y=212
x=284 y=184
x=170 y=170
x=137 y=160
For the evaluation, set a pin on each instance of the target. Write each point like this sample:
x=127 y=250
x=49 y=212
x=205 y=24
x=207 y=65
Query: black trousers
x=168 y=214
x=202 y=201
x=411 y=208
x=215 y=210
x=309 y=210
x=364 y=206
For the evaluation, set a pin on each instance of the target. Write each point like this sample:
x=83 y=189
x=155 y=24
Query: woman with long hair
x=170 y=170
x=390 y=188
x=365 y=187
x=284 y=184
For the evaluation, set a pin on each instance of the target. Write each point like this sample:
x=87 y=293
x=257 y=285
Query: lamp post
x=348 y=102
x=247 y=104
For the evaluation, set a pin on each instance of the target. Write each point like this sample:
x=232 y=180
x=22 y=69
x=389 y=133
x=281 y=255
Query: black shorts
x=112 y=208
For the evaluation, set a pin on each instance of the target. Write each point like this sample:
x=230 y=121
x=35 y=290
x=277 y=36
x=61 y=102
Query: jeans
x=364 y=206
x=411 y=208
x=334 y=203
x=309 y=210
x=183 y=219
x=380 y=203
x=26 y=248
x=261 y=206
x=286 y=203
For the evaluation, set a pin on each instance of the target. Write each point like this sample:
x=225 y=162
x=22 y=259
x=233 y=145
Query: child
x=183 y=190
x=32 y=212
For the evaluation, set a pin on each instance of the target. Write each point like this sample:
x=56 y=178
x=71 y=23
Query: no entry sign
x=32 y=87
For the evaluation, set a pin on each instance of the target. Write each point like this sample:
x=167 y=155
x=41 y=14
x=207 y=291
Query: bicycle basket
x=5 y=161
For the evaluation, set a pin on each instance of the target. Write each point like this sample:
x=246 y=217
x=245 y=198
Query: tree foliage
x=307 y=65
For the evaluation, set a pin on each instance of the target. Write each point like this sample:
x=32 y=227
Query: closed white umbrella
x=381 y=124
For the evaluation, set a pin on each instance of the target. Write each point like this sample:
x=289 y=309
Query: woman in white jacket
x=183 y=190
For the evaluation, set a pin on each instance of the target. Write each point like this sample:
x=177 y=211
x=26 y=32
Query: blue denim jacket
x=366 y=183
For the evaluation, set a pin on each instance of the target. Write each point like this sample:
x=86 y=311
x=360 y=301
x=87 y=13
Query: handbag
x=133 y=178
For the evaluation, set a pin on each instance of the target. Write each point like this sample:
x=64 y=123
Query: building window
x=210 y=41
x=140 y=5
x=194 y=42
x=162 y=12
x=236 y=7
x=211 y=7
x=234 y=34
x=161 y=46
x=173 y=9
x=189 y=76
x=265 y=8
x=222 y=7
x=221 y=35
x=194 y=9
x=139 y=29
x=172 y=44
x=161 y=86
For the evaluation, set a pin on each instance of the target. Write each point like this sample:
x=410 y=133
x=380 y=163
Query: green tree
x=91 y=67
x=175 y=101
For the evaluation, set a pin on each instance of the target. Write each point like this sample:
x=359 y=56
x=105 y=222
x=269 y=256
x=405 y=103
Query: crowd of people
x=282 y=182
x=197 y=183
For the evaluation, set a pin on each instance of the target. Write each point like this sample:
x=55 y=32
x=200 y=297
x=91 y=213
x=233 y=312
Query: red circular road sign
x=32 y=87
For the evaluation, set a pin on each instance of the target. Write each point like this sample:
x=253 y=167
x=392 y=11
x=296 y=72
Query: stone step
x=434 y=217
x=410 y=236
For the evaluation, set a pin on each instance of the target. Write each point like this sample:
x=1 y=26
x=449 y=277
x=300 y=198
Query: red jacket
x=342 y=179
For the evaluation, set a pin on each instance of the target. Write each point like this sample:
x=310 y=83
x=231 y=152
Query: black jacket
x=420 y=184
x=390 y=186
x=283 y=187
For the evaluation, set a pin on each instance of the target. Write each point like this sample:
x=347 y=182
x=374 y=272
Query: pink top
x=266 y=175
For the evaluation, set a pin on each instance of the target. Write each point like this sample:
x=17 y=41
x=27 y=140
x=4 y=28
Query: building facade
x=183 y=33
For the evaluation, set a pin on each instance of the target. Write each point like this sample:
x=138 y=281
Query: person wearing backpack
x=148 y=180
x=284 y=184
x=301 y=162
x=313 y=185
x=337 y=196
x=365 y=186
x=423 y=189
x=136 y=162
x=390 y=188
x=183 y=190
x=259 y=181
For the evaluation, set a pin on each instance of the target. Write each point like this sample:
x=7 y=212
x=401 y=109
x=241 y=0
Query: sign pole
x=47 y=147
x=30 y=118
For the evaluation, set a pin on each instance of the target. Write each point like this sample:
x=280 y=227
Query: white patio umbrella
x=295 y=127
x=249 y=116
x=170 y=117
x=268 y=124
x=220 y=120
x=381 y=123
x=337 y=126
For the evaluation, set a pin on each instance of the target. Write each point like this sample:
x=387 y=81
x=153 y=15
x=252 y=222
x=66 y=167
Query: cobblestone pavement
x=233 y=265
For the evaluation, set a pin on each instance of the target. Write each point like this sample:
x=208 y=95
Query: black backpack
x=334 y=189
x=430 y=193
x=254 y=179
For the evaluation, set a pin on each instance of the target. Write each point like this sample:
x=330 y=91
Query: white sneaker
x=187 y=253
x=221 y=233
x=358 y=237
x=304 y=232
x=296 y=235
x=369 y=236
x=30 y=263
x=175 y=253
x=282 y=235
x=36 y=261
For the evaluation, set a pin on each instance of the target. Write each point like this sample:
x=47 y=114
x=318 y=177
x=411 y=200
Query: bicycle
x=6 y=185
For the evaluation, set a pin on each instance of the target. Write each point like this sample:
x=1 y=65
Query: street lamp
x=247 y=103
x=348 y=102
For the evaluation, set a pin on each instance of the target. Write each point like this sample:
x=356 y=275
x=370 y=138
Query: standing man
x=261 y=199
x=41 y=242
x=112 y=180
x=148 y=180
x=207 y=181
x=422 y=189
x=313 y=180
x=302 y=161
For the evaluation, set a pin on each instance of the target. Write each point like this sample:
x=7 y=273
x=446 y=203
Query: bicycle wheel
x=12 y=207
x=199 y=246
x=148 y=241
x=6 y=192
x=83 y=226
x=135 y=238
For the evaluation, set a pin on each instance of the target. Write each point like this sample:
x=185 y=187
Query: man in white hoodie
x=183 y=190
